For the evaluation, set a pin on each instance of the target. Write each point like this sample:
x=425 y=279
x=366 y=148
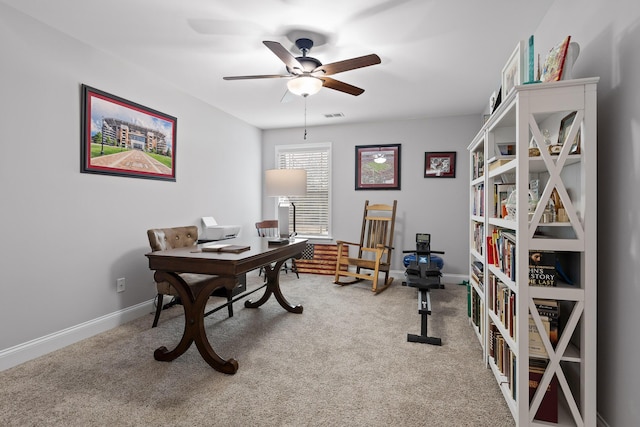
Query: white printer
x=212 y=231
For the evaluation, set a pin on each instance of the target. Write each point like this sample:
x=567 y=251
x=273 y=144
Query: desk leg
x=273 y=287
x=194 y=330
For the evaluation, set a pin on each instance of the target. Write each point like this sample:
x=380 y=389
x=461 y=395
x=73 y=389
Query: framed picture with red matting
x=123 y=138
x=440 y=164
x=378 y=167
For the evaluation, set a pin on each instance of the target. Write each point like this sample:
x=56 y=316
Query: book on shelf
x=502 y=301
x=493 y=330
x=477 y=269
x=496 y=247
x=495 y=162
x=554 y=62
x=490 y=250
x=478 y=200
x=478 y=237
x=503 y=357
x=536 y=346
x=501 y=251
x=549 y=311
x=475 y=309
x=542 y=268
x=478 y=164
x=530 y=69
x=514 y=375
x=548 y=409
x=223 y=247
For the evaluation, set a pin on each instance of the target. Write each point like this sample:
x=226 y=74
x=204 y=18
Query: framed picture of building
x=378 y=167
x=123 y=138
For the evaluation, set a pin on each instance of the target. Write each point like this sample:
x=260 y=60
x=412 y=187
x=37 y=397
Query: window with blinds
x=313 y=211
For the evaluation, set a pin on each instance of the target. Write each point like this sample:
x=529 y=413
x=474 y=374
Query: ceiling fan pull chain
x=305 y=118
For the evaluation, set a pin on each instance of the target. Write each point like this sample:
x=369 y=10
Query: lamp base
x=283 y=219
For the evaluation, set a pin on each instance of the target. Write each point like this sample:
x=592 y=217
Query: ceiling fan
x=307 y=75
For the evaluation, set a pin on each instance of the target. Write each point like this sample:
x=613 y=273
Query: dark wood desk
x=167 y=264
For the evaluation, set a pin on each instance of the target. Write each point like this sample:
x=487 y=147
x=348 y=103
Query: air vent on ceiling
x=333 y=115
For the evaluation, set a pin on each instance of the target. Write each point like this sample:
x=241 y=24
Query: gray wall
x=68 y=236
x=439 y=206
x=609 y=35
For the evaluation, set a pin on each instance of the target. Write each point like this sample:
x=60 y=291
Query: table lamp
x=285 y=183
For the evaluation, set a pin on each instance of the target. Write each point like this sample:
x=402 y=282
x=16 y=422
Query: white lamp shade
x=304 y=85
x=285 y=182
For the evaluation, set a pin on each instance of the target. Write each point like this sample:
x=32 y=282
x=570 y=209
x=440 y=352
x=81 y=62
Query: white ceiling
x=439 y=57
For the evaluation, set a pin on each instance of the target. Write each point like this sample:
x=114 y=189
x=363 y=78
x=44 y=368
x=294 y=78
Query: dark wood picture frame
x=378 y=167
x=440 y=164
x=563 y=133
x=123 y=138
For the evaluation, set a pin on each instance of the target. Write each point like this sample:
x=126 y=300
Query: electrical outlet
x=120 y=285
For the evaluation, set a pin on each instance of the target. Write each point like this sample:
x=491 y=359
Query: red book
x=489 y=250
x=548 y=409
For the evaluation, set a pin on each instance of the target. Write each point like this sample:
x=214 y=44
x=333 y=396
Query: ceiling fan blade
x=262 y=76
x=341 y=86
x=346 y=65
x=285 y=56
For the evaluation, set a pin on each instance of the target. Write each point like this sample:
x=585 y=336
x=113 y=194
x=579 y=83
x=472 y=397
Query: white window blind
x=313 y=211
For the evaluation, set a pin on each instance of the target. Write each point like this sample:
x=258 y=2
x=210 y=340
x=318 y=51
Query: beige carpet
x=345 y=361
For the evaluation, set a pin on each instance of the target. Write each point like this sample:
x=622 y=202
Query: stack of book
x=477 y=273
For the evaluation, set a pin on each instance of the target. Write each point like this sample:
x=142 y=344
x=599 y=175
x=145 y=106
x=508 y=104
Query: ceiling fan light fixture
x=304 y=85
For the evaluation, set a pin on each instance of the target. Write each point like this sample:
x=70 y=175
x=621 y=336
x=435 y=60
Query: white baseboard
x=21 y=353
x=454 y=279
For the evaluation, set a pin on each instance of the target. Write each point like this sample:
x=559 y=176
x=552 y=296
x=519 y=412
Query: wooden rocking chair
x=374 y=249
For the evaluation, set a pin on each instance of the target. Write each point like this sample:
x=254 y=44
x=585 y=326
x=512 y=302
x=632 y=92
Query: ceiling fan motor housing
x=308 y=63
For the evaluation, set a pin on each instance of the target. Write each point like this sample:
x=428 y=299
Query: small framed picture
x=513 y=70
x=563 y=133
x=440 y=164
x=378 y=167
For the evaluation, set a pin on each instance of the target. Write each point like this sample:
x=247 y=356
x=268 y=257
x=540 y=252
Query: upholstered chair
x=161 y=239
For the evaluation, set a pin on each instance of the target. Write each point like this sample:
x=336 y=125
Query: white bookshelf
x=531 y=116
